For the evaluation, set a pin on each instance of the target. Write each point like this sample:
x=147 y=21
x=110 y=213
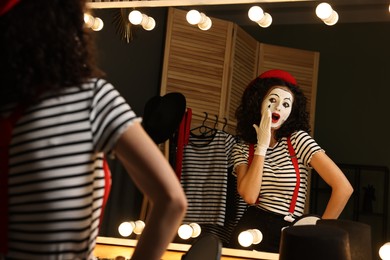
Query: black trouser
x=270 y=225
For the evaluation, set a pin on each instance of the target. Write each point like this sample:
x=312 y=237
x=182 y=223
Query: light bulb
x=88 y=20
x=265 y=21
x=135 y=17
x=126 y=228
x=196 y=230
x=249 y=237
x=255 y=13
x=332 y=19
x=324 y=11
x=245 y=238
x=206 y=24
x=149 y=24
x=384 y=251
x=139 y=226
x=193 y=17
x=185 y=231
x=98 y=24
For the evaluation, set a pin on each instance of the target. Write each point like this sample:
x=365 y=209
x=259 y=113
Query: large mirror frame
x=328 y=120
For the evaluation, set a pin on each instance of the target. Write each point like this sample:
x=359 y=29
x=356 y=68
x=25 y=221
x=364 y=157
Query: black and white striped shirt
x=279 y=177
x=56 y=180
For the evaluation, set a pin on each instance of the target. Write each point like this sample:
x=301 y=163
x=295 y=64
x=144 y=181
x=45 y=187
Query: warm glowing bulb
x=196 y=230
x=249 y=237
x=324 y=10
x=126 y=228
x=185 y=231
x=88 y=20
x=135 y=17
x=149 y=24
x=139 y=227
x=384 y=251
x=193 y=17
x=255 y=13
x=206 y=24
x=265 y=21
x=245 y=238
x=98 y=24
x=332 y=19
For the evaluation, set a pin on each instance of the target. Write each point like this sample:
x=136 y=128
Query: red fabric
x=296 y=167
x=6 y=5
x=281 y=74
x=107 y=189
x=182 y=140
x=298 y=181
x=6 y=127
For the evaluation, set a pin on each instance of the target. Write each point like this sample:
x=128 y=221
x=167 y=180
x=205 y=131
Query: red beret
x=281 y=74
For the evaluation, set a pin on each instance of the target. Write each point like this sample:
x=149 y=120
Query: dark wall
x=352 y=114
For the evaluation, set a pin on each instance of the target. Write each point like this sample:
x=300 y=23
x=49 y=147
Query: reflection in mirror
x=342 y=59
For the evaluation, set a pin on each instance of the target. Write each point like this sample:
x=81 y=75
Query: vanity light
x=127 y=228
x=138 y=18
x=95 y=23
x=257 y=15
x=195 y=17
x=384 y=251
x=326 y=13
x=186 y=231
x=250 y=237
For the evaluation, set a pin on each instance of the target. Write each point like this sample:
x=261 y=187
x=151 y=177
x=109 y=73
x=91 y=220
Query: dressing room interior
x=342 y=67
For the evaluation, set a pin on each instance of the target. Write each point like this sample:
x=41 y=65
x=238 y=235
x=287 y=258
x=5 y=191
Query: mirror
x=352 y=83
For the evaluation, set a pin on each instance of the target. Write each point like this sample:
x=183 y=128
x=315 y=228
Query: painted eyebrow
x=274 y=94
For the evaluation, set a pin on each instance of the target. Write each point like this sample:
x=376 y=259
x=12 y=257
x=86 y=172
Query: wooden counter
x=109 y=248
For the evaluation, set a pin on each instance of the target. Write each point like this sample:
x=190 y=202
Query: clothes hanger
x=203 y=130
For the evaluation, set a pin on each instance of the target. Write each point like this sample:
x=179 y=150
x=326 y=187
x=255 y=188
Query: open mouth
x=275 y=117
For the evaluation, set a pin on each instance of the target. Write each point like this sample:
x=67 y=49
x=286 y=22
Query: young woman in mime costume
x=273 y=158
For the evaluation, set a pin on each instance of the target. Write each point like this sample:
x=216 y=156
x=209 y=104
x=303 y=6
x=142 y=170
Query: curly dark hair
x=44 y=45
x=248 y=114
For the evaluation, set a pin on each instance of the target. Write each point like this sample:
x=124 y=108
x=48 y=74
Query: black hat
x=319 y=242
x=359 y=236
x=162 y=115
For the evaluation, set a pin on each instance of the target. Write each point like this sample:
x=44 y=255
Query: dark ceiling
x=302 y=12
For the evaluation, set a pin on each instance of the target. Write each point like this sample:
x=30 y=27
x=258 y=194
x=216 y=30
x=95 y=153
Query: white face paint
x=279 y=101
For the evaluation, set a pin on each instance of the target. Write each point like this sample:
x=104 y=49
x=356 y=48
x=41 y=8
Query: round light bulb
x=255 y=13
x=206 y=25
x=150 y=24
x=98 y=24
x=139 y=227
x=332 y=19
x=266 y=21
x=126 y=228
x=324 y=10
x=245 y=238
x=196 y=230
x=384 y=251
x=88 y=20
x=193 y=17
x=135 y=17
x=185 y=231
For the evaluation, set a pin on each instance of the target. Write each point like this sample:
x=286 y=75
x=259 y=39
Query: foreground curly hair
x=248 y=112
x=50 y=51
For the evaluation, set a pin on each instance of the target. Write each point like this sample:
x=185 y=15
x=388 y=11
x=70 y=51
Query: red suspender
x=182 y=140
x=298 y=181
x=296 y=167
x=6 y=127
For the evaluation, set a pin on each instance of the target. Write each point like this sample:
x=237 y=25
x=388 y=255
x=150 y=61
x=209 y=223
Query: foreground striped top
x=279 y=176
x=56 y=181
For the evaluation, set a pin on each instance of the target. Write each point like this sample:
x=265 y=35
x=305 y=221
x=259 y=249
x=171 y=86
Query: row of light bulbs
x=192 y=230
x=246 y=238
x=324 y=11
